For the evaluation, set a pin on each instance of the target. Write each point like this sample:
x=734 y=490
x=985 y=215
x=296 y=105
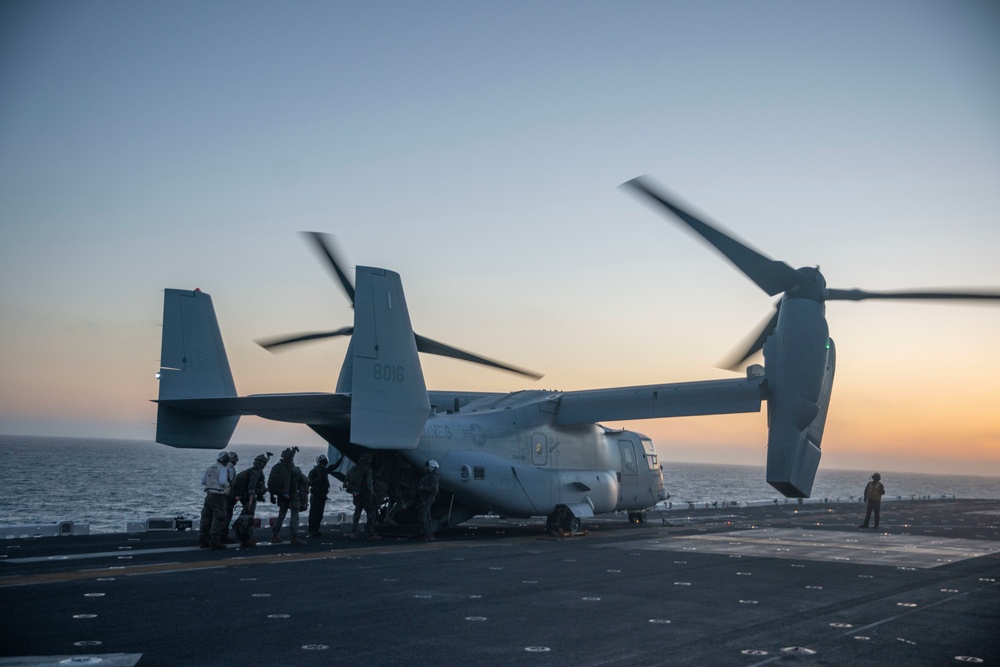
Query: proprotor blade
x=429 y=346
x=861 y=295
x=770 y=275
x=736 y=358
x=271 y=343
x=326 y=246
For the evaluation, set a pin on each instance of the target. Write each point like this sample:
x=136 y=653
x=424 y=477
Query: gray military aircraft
x=525 y=453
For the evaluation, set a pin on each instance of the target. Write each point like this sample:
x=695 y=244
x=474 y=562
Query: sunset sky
x=477 y=148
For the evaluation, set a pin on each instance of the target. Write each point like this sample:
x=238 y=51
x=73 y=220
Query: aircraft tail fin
x=193 y=364
x=389 y=404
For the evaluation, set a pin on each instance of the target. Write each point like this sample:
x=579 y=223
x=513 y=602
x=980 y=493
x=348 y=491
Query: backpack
x=279 y=480
x=241 y=485
x=354 y=480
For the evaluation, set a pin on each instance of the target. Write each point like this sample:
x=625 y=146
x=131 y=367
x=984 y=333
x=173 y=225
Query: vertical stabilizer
x=193 y=364
x=389 y=403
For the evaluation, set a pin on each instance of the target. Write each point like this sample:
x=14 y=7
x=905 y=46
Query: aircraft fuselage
x=506 y=454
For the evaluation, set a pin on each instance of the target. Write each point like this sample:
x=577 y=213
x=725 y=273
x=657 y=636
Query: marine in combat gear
x=319 y=489
x=286 y=484
x=427 y=490
x=249 y=488
x=360 y=483
x=230 y=498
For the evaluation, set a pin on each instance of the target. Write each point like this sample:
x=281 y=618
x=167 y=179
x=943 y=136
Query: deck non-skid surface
x=733 y=587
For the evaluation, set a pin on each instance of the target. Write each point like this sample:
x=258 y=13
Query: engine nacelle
x=799 y=359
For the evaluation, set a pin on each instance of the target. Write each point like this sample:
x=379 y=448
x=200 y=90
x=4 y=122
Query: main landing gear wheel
x=637 y=517
x=563 y=519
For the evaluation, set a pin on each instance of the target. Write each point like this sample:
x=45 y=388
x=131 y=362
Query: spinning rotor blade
x=775 y=277
x=433 y=347
x=424 y=344
x=770 y=275
x=326 y=246
x=271 y=343
x=736 y=359
x=860 y=295
x=324 y=243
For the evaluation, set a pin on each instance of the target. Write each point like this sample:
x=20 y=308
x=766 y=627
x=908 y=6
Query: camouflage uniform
x=230 y=498
x=364 y=500
x=402 y=490
x=427 y=490
x=284 y=483
x=249 y=488
x=319 y=488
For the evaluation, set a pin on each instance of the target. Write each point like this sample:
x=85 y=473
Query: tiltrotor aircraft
x=525 y=453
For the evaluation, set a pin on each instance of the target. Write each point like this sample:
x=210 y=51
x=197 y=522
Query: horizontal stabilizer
x=193 y=431
x=319 y=409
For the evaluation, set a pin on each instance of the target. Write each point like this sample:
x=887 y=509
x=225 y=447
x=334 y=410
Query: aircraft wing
x=307 y=408
x=446 y=400
x=680 y=399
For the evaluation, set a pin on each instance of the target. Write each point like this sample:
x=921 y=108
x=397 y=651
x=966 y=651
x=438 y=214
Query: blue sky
x=476 y=148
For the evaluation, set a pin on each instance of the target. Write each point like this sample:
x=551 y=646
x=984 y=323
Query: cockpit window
x=650 y=453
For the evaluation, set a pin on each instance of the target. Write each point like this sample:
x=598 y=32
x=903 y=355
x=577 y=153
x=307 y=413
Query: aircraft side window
x=628 y=457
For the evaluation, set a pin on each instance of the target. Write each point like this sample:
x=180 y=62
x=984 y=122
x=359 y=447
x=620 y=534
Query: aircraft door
x=539 y=449
x=629 y=482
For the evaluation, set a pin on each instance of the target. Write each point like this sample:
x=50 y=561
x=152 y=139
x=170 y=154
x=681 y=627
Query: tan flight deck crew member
x=873 y=496
x=214 y=524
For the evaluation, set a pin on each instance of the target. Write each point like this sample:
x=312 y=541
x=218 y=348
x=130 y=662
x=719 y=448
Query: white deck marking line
x=828 y=546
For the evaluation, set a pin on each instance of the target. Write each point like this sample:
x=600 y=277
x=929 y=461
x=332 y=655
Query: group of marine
x=380 y=494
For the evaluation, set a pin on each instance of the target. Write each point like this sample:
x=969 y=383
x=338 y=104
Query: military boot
x=275 y=539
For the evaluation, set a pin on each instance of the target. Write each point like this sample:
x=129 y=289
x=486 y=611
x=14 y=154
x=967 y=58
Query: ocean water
x=107 y=483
